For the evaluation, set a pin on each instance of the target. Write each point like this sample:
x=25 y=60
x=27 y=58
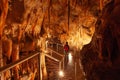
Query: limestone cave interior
x=33 y=33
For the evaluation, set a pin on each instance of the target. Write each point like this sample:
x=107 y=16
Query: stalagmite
x=7 y=75
x=6 y=52
x=33 y=74
x=15 y=57
x=7 y=47
x=28 y=21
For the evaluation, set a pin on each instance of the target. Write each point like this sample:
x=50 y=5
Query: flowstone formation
x=101 y=58
x=25 y=25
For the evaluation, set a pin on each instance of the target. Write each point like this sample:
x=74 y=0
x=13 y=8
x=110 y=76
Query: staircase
x=53 y=65
x=52 y=68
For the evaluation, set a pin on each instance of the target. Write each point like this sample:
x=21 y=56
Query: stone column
x=15 y=57
x=3 y=14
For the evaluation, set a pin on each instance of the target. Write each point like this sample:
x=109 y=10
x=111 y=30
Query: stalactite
x=68 y=14
x=31 y=15
x=101 y=4
x=3 y=14
x=33 y=27
x=20 y=32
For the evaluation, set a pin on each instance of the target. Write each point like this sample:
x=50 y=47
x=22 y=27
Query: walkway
x=72 y=71
x=54 y=63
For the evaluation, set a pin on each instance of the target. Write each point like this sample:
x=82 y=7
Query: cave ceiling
x=72 y=21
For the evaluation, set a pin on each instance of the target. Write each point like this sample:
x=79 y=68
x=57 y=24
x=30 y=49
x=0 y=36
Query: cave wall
x=101 y=57
x=26 y=24
x=20 y=26
x=81 y=16
x=3 y=14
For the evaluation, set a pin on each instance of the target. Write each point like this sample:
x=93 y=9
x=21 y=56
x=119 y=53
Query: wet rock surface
x=27 y=24
x=101 y=58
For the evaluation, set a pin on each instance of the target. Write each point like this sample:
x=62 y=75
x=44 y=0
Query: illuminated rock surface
x=91 y=26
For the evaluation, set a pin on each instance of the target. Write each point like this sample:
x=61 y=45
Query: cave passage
x=33 y=33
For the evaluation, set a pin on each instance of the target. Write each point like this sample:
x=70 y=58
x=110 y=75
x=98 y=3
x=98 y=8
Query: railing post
x=46 y=45
x=63 y=62
x=13 y=64
x=57 y=47
x=75 y=71
x=51 y=52
x=75 y=64
x=59 y=65
x=39 y=66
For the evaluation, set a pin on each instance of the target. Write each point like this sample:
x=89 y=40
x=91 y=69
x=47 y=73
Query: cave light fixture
x=61 y=73
x=70 y=57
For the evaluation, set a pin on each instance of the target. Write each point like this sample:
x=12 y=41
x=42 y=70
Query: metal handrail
x=11 y=65
x=47 y=55
x=55 y=43
x=52 y=57
x=55 y=52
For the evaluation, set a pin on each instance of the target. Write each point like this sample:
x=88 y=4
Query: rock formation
x=25 y=25
x=101 y=58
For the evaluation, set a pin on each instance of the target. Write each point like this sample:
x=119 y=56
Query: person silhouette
x=66 y=51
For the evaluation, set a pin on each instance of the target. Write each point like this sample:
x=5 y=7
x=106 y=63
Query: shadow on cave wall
x=101 y=58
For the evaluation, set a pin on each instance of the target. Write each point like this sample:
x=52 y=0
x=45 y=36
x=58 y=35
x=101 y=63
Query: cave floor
x=73 y=70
